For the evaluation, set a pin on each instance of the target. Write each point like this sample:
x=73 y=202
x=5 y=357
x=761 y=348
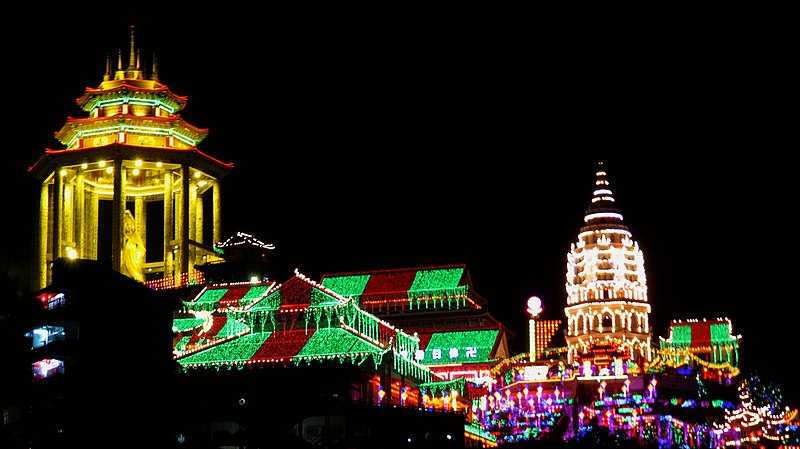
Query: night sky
x=378 y=139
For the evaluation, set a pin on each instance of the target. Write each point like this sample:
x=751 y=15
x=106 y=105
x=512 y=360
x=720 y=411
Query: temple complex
x=406 y=357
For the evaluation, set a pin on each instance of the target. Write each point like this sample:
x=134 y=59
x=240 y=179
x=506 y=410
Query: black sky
x=372 y=139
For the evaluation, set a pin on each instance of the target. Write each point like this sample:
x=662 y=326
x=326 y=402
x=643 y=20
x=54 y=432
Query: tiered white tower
x=607 y=309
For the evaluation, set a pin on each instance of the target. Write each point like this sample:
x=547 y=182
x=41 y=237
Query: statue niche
x=133 y=250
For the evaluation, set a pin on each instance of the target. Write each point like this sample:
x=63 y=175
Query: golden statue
x=132 y=250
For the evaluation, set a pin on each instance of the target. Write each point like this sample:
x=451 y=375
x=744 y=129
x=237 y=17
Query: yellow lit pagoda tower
x=607 y=307
x=132 y=150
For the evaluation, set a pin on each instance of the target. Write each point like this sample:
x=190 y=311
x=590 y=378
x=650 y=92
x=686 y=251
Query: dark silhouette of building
x=101 y=366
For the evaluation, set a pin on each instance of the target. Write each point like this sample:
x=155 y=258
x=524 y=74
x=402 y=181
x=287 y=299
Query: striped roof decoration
x=204 y=330
x=470 y=346
x=231 y=330
x=224 y=296
x=700 y=334
x=419 y=288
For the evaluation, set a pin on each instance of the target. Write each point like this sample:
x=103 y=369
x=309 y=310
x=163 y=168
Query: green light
x=347 y=285
x=459 y=347
x=131 y=100
x=682 y=335
x=252 y=294
x=238 y=350
x=147 y=130
x=232 y=327
x=211 y=296
x=335 y=341
x=320 y=299
x=181 y=345
x=436 y=279
x=271 y=302
x=185 y=324
x=720 y=333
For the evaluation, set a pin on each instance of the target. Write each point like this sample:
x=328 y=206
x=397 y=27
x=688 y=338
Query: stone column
x=92 y=210
x=44 y=203
x=140 y=214
x=184 y=266
x=217 y=206
x=117 y=216
x=198 y=218
x=80 y=216
x=56 y=230
x=192 y=206
x=68 y=215
x=169 y=225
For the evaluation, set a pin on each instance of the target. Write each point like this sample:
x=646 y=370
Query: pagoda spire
x=132 y=57
x=107 y=73
x=602 y=210
x=119 y=59
x=154 y=72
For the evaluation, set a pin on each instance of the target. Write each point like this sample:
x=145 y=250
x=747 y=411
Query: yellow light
x=102 y=164
x=159 y=164
x=138 y=162
x=197 y=174
x=109 y=170
x=72 y=254
x=84 y=166
x=135 y=172
x=202 y=183
x=63 y=172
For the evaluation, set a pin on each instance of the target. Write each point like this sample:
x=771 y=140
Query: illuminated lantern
x=534 y=307
x=381 y=394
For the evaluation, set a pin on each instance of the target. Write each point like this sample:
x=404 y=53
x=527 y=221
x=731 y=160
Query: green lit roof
x=437 y=279
x=232 y=327
x=185 y=324
x=335 y=341
x=271 y=302
x=460 y=346
x=682 y=335
x=238 y=350
x=347 y=285
x=211 y=296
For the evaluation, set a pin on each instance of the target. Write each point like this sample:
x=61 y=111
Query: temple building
x=707 y=344
x=458 y=337
x=607 y=307
x=133 y=155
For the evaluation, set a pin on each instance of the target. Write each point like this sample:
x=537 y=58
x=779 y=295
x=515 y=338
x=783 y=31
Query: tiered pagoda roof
x=129 y=111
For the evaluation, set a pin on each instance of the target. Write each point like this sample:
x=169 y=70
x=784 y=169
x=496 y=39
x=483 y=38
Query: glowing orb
x=534 y=306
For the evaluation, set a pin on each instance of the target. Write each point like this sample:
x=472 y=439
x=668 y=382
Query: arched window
x=635 y=323
x=608 y=322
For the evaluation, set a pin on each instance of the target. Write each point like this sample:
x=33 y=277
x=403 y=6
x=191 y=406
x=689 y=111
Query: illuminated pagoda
x=708 y=343
x=132 y=151
x=607 y=306
x=457 y=335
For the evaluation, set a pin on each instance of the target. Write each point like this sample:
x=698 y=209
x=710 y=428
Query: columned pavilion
x=133 y=149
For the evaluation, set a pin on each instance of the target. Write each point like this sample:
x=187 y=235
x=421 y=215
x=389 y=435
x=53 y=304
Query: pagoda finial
x=107 y=74
x=119 y=59
x=154 y=73
x=138 y=60
x=602 y=210
x=132 y=57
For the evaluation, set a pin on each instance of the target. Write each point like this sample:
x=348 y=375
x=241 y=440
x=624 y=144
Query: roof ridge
x=389 y=270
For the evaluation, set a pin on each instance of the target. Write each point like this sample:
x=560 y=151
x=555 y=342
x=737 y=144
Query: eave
x=53 y=159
